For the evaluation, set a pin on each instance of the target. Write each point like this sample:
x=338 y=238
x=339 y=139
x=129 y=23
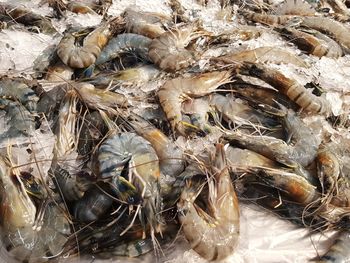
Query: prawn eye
x=135 y=200
x=131 y=200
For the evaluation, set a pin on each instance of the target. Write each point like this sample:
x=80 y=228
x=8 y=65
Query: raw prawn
x=16 y=90
x=133 y=153
x=93 y=205
x=100 y=99
x=17 y=214
x=23 y=15
x=295 y=91
x=86 y=55
x=212 y=233
x=335 y=29
x=303 y=151
x=258 y=95
x=127 y=42
x=173 y=92
x=240 y=114
x=28 y=233
x=314 y=43
x=266 y=19
x=339 y=251
x=129 y=77
x=146 y=23
x=297 y=188
x=263 y=55
x=168 y=51
x=66 y=129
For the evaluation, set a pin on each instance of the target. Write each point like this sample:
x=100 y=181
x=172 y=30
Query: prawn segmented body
x=168 y=51
x=314 y=43
x=295 y=91
x=127 y=42
x=335 y=29
x=266 y=19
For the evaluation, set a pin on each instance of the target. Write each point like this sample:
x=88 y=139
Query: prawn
x=100 y=99
x=86 y=55
x=242 y=33
x=328 y=171
x=264 y=55
x=270 y=198
x=28 y=233
x=173 y=92
x=129 y=151
x=66 y=128
x=93 y=205
x=314 y=43
x=213 y=233
x=303 y=152
x=168 y=51
x=295 y=91
x=232 y=110
x=339 y=251
x=127 y=42
x=241 y=160
x=293 y=185
x=259 y=95
x=266 y=19
x=147 y=24
x=237 y=157
x=16 y=90
x=24 y=16
x=17 y=214
x=20 y=122
x=132 y=76
x=335 y=29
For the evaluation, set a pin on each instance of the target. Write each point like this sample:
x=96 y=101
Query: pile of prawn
x=125 y=101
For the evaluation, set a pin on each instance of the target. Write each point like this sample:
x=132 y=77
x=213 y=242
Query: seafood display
x=141 y=127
